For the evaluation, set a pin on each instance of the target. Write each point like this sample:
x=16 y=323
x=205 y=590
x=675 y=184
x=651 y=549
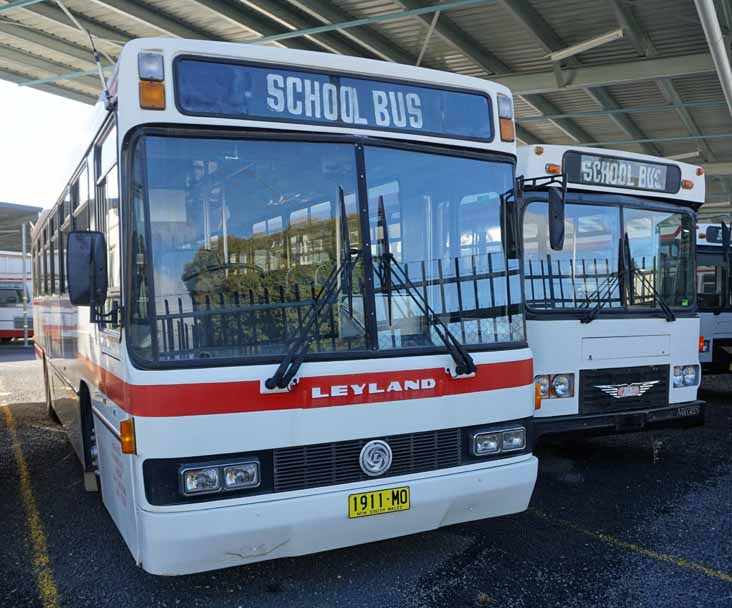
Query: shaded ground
x=638 y=520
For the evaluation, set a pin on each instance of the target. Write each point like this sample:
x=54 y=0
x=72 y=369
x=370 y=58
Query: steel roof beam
x=701 y=105
x=568 y=126
x=367 y=37
x=152 y=18
x=251 y=20
x=551 y=42
x=6 y=8
x=57 y=16
x=79 y=53
x=609 y=74
x=645 y=47
x=54 y=89
x=291 y=18
x=457 y=38
x=626 y=142
x=28 y=59
x=605 y=100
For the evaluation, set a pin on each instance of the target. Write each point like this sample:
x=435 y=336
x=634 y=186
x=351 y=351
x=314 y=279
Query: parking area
x=638 y=520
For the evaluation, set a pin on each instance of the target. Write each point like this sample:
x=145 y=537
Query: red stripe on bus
x=14 y=333
x=350 y=389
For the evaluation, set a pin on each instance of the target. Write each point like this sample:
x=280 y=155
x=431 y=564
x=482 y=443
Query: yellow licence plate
x=378 y=502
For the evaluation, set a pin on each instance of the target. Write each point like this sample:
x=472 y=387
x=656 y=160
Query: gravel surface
x=636 y=520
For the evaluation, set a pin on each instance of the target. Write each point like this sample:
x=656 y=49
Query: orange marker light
x=127 y=436
x=508 y=133
x=553 y=169
x=539 y=150
x=537 y=396
x=701 y=344
x=152 y=95
x=687 y=184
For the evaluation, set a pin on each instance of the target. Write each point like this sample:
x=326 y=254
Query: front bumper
x=184 y=542
x=687 y=414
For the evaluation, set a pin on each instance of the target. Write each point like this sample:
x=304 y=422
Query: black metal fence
x=472 y=292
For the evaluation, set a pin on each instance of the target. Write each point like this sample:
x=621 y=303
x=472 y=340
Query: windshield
x=234 y=240
x=713 y=285
x=656 y=257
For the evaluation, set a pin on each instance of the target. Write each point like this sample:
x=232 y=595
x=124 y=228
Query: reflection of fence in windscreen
x=665 y=278
x=250 y=323
x=471 y=294
x=569 y=283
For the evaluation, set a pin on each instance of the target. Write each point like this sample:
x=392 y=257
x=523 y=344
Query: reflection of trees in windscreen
x=251 y=274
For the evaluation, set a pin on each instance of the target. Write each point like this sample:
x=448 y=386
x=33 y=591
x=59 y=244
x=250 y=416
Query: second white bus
x=611 y=315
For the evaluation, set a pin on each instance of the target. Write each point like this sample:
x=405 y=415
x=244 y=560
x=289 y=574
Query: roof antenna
x=107 y=97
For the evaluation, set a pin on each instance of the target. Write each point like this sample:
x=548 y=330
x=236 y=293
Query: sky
x=38 y=132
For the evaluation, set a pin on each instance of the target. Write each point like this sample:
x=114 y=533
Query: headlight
x=691 y=375
x=244 y=475
x=486 y=443
x=562 y=385
x=678 y=378
x=220 y=477
x=555 y=386
x=201 y=481
x=513 y=440
x=543 y=383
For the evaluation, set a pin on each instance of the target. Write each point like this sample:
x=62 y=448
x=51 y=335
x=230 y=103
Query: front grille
x=593 y=400
x=324 y=464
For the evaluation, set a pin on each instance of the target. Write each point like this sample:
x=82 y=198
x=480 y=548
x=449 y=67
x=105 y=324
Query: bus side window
x=107 y=213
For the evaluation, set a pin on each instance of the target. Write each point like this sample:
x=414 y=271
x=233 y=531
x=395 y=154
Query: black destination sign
x=600 y=170
x=213 y=88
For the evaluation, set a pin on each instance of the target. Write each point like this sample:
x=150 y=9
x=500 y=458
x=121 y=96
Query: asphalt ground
x=636 y=520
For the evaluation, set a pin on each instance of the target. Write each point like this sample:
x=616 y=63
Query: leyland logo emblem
x=620 y=391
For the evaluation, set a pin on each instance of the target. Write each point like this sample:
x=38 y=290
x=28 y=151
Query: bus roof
x=125 y=86
x=617 y=171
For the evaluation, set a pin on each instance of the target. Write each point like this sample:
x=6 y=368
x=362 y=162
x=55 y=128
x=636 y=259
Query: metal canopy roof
x=11 y=219
x=645 y=80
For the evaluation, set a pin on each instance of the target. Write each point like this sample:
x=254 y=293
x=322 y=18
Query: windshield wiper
x=292 y=361
x=385 y=274
x=603 y=294
x=464 y=364
x=634 y=272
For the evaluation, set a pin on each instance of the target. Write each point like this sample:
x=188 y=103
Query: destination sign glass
x=600 y=170
x=235 y=90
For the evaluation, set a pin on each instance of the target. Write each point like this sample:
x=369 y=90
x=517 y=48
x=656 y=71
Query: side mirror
x=556 y=219
x=86 y=269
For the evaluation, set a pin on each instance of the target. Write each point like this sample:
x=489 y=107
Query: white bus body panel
x=611 y=343
x=315 y=521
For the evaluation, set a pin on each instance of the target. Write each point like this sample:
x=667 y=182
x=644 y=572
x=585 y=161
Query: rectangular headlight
x=150 y=66
x=242 y=475
x=513 y=440
x=201 y=481
x=486 y=443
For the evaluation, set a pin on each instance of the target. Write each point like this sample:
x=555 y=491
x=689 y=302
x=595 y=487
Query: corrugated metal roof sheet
x=672 y=27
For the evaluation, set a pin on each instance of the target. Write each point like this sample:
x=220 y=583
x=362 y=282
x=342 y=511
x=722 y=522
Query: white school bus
x=611 y=313
x=275 y=307
x=713 y=288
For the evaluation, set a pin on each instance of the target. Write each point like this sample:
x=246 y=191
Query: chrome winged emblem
x=620 y=391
